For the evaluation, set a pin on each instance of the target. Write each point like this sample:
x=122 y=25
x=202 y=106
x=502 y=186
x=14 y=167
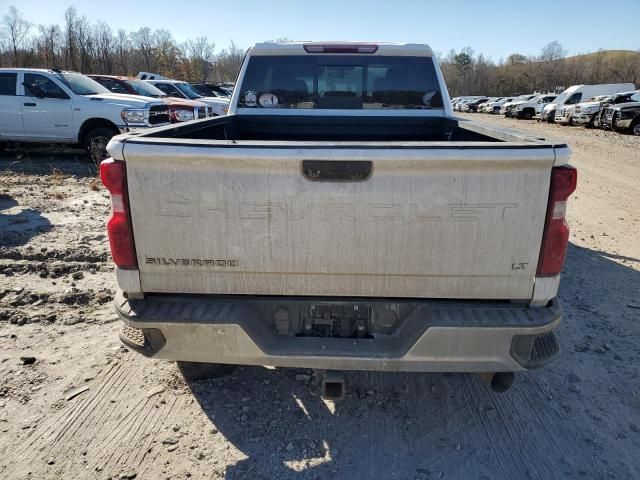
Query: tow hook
x=331 y=383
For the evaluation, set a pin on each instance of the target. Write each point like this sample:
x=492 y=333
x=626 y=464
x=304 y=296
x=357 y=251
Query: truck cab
x=54 y=106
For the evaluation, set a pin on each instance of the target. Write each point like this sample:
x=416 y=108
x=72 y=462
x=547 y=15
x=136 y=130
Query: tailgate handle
x=337 y=170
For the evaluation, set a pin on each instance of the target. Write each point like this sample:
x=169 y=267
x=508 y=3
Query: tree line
x=550 y=71
x=86 y=47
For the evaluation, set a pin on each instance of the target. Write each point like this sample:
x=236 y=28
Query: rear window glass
x=340 y=82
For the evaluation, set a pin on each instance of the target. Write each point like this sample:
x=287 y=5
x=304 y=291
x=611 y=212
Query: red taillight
x=556 y=231
x=313 y=48
x=114 y=176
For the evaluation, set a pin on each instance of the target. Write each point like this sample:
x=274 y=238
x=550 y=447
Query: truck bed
x=330 y=128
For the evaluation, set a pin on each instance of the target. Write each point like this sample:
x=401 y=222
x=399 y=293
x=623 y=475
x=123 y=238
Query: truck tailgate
x=447 y=221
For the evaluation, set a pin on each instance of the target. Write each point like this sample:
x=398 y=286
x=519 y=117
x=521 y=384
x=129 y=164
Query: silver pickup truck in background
x=340 y=218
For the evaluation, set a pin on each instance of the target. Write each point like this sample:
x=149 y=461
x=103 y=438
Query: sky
x=495 y=28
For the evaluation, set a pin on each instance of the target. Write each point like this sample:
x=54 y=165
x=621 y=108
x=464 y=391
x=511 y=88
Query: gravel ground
x=75 y=404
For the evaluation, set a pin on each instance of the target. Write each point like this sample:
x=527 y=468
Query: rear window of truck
x=340 y=82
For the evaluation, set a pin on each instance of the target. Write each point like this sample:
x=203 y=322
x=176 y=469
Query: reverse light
x=113 y=174
x=555 y=238
x=313 y=48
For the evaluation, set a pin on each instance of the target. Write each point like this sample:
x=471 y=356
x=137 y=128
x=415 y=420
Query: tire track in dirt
x=154 y=426
x=89 y=406
x=116 y=388
x=113 y=428
x=52 y=426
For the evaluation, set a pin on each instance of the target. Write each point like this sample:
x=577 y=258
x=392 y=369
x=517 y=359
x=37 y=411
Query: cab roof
x=116 y=77
x=342 y=48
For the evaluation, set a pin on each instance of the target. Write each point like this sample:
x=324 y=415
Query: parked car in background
x=151 y=76
x=574 y=95
x=507 y=108
x=180 y=89
x=463 y=101
x=458 y=103
x=623 y=117
x=55 y=106
x=526 y=109
x=588 y=113
x=472 y=106
x=180 y=109
x=481 y=106
x=212 y=90
x=495 y=106
x=564 y=115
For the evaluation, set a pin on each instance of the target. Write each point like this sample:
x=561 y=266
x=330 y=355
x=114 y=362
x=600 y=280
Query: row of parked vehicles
x=55 y=106
x=609 y=106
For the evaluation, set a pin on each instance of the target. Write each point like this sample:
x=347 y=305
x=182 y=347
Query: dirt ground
x=75 y=404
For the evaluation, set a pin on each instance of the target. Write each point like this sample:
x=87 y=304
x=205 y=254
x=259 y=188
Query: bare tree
x=228 y=63
x=122 y=52
x=14 y=29
x=104 y=46
x=201 y=55
x=143 y=41
x=70 y=17
x=552 y=51
x=167 y=52
x=85 y=44
x=48 y=44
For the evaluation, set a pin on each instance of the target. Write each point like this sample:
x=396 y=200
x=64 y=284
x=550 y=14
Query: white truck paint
x=336 y=205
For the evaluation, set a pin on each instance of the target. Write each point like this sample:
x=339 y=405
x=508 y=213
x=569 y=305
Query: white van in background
x=579 y=93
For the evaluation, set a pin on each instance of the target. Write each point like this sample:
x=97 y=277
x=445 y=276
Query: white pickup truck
x=54 y=106
x=340 y=217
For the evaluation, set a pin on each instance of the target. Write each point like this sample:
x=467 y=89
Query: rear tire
x=527 y=115
x=204 y=371
x=95 y=143
x=635 y=127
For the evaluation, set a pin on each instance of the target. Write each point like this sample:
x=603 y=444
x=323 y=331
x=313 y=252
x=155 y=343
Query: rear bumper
x=437 y=336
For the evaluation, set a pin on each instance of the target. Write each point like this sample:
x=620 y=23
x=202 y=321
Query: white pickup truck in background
x=54 y=106
x=340 y=217
x=526 y=109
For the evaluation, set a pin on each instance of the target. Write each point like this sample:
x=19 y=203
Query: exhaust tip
x=499 y=382
x=502 y=381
